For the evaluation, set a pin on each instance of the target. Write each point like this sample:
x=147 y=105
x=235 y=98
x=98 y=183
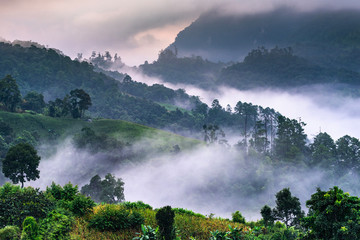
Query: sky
x=137 y=30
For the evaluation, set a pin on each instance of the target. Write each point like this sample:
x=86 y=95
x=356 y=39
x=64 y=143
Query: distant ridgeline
x=281 y=49
x=54 y=75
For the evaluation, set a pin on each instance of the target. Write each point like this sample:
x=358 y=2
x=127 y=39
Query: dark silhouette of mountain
x=327 y=37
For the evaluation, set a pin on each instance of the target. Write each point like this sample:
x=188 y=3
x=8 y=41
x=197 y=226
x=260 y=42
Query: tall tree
x=288 y=208
x=80 y=101
x=34 y=101
x=348 y=154
x=333 y=215
x=9 y=93
x=21 y=163
x=323 y=151
x=109 y=190
x=290 y=142
x=245 y=111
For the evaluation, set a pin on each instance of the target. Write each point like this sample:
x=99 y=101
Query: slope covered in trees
x=53 y=75
x=326 y=37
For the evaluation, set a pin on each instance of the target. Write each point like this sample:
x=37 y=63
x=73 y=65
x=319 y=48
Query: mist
x=323 y=108
x=207 y=179
x=136 y=29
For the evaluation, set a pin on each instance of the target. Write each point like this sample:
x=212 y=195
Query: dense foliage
x=21 y=163
x=333 y=214
x=109 y=190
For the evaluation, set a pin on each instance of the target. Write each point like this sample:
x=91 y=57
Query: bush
x=165 y=219
x=30 y=229
x=114 y=218
x=136 y=205
x=56 y=226
x=16 y=204
x=187 y=212
x=148 y=233
x=237 y=217
x=10 y=233
x=68 y=197
x=81 y=205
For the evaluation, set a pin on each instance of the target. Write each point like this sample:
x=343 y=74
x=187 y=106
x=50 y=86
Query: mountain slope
x=325 y=37
x=54 y=75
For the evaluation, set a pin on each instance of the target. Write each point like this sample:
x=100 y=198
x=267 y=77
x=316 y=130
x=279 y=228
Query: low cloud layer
x=208 y=180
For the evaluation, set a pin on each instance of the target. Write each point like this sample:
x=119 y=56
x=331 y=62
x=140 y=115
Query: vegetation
x=109 y=190
x=332 y=214
x=21 y=163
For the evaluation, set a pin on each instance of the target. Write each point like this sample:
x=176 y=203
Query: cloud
x=137 y=30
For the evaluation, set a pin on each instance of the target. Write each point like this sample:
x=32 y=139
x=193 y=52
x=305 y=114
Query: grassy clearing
x=125 y=131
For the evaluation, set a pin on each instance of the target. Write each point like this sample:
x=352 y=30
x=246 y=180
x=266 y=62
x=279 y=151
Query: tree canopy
x=109 y=190
x=10 y=95
x=21 y=163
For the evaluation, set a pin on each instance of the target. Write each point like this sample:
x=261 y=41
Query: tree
x=288 y=208
x=165 y=219
x=80 y=101
x=214 y=134
x=109 y=190
x=267 y=215
x=245 y=111
x=17 y=203
x=21 y=163
x=9 y=93
x=34 y=101
x=333 y=215
x=290 y=142
x=348 y=154
x=323 y=151
x=238 y=217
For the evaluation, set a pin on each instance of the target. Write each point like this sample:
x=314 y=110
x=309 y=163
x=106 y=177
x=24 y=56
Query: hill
x=116 y=140
x=52 y=74
x=326 y=37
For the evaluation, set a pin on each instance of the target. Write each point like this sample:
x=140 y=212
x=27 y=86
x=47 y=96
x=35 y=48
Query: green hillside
x=54 y=75
x=327 y=37
x=125 y=131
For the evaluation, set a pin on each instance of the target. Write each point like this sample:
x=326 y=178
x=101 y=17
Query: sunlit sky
x=137 y=30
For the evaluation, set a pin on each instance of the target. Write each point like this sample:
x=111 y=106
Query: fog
x=322 y=107
x=136 y=29
x=207 y=179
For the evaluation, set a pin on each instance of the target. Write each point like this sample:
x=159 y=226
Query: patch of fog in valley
x=321 y=107
x=216 y=179
x=206 y=179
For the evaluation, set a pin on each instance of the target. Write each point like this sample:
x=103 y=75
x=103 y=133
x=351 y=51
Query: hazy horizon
x=136 y=30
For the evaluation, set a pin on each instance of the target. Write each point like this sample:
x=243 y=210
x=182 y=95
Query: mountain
x=324 y=37
x=54 y=75
x=113 y=142
x=282 y=49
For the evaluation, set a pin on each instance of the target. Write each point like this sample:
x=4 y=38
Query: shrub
x=237 y=217
x=30 y=229
x=187 y=212
x=148 y=233
x=136 y=205
x=218 y=235
x=136 y=219
x=165 y=219
x=114 y=218
x=68 y=197
x=10 y=233
x=81 y=205
x=56 y=226
x=16 y=204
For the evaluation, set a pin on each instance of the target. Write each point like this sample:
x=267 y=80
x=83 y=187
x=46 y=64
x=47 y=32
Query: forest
x=90 y=151
x=269 y=142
